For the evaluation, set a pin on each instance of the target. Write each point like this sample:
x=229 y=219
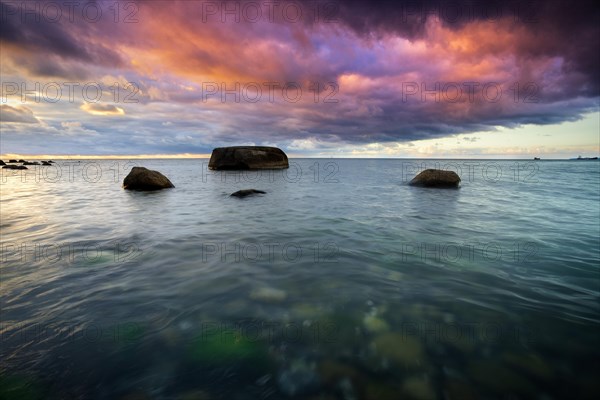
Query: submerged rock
x=455 y=389
x=247 y=157
x=268 y=295
x=31 y=163
x=2 y=162
x=494 y=376
x=195 y=395
x=332 y=372
x=418 y=388
x=375 y=324
x=141 y=178
x=347 y=389
x=247 y=192
x=436 y=178
x=381 y=391
x=12 y=161
x=531 y=364
x=402 y=350
x=299 y=378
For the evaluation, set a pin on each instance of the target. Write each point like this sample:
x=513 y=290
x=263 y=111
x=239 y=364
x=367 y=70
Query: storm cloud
x=198 y=74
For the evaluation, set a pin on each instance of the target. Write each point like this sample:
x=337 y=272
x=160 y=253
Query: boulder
x=31 y=163
x=15 y=167
x=247 y=158
x=436 y=178
x=46 y=163
x=2 y=162
x=12 y=161
x=247 y=192
x=22 y=161
x=141 y=178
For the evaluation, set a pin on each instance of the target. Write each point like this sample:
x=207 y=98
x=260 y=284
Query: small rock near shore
x=15 y=167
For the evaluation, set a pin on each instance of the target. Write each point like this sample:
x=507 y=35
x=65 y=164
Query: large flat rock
x=247 y=157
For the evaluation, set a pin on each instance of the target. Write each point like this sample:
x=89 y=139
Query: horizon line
x=207 y=156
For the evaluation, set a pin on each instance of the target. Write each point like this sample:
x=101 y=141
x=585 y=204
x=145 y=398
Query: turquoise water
x=342 y=282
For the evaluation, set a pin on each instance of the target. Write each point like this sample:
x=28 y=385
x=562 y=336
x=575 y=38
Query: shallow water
x=342 y=282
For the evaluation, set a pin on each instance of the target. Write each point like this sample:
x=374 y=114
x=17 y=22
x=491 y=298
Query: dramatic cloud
x=307 y=76
x=55 y=28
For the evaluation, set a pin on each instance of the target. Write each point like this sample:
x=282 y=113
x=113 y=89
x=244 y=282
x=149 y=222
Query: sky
x=459 y=79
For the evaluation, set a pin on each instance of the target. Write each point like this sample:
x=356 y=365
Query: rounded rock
x=144 y=179
x=436 y=178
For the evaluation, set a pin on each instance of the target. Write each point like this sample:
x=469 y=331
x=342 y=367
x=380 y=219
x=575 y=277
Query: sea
x=340 y=282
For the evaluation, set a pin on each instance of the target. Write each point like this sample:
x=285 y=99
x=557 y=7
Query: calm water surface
x=341 y=282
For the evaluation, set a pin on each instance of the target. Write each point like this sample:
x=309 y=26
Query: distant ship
x=536 y=158
x=584 y=158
